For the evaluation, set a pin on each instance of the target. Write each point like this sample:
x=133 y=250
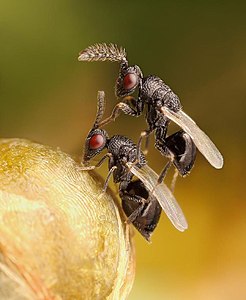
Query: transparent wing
x=162 y=194
x=201 y=140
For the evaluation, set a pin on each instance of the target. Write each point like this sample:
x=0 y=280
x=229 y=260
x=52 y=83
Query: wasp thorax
x=130 y=81
x=96 y=141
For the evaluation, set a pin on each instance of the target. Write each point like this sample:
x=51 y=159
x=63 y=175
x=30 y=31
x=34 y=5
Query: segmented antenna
x=100 y=107
x=102 y=52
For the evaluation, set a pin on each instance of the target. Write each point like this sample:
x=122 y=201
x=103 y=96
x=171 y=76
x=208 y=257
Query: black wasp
x=163 y=106
x=142 y=198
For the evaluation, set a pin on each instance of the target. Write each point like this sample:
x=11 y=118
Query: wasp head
x=95 y=142
x=128 y=80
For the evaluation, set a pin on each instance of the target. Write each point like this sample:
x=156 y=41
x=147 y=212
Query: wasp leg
x=88 y=168
x=164 y=172
x=120 y=107
x=137 y=212
x=146 y=147
x=146 y=134
x=175 y=176
x=108 y=155
x=160 y=140
x=132 y=203
x=139 y=156
x=108 y=177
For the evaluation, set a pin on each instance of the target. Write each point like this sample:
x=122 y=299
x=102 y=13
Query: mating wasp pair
x=144 y=198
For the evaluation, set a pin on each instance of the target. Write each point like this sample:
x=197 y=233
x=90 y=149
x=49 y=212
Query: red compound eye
x=96 y=141
x=130 y=80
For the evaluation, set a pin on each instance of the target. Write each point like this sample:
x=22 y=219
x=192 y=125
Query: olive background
x=198 y=48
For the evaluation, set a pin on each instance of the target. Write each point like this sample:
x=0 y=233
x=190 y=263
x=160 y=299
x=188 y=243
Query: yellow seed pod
x=60 y=237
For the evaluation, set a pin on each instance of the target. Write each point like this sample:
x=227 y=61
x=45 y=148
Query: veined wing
x=201 y=140
x=162 y=194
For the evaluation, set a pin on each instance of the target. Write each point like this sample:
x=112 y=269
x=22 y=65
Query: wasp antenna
x=100 y=107
x=102 y=52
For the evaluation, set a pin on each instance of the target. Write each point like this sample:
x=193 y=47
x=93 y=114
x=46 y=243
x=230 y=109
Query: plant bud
x=60 y=236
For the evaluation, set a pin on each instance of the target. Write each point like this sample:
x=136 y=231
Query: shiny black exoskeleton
x=141 y=208
x=181 y=146
x=146 y=216
x=154 y=94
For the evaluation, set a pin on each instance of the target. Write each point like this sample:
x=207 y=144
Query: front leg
x=89 y=168
x=120 y=107
x=108 y=177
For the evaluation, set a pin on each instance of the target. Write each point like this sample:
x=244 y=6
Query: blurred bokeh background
x=198 y=48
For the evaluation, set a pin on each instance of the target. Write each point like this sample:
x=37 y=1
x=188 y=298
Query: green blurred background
x=198 y=48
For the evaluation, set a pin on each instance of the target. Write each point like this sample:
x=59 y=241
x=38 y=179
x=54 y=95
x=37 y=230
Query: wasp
x=143 y=198
x=162 y=107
